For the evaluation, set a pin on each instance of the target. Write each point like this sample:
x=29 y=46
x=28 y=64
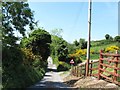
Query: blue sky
x=72 y=17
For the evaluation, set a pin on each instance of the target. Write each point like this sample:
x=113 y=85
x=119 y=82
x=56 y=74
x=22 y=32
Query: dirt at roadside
x=89 y=82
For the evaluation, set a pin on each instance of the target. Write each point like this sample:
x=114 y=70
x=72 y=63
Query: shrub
x=111 y=49
x=63 y=66
x=21 y=68
x=92 y=51
x=78 y=60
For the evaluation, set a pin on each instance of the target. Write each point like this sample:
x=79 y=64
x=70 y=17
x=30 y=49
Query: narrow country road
x=52 y=79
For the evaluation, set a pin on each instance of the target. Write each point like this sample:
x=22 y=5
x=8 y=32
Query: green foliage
x=55 y=60
x=77 y=60
x=71 y=48
x=21 y=67
x=12 y=57
x=62 y=51
x=21 y=77
x=63 y=66
x=59 y=51
x=55 y=44
x=107 y=36
x=83 y=43
x=57 y=32
x=78 y=56
x=117 y=38
x=111 y=38
x=15 y=17
x=111 y=49
x=39 y=41
x=76 y=43
x=118 y=44
x=15 y=72
x=59 y=48
x=102 y=43
x=94 y=56
x=18 y=69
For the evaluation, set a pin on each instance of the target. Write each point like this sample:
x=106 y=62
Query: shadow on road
x=49 y=85
x=53 y=70
x=51 y=81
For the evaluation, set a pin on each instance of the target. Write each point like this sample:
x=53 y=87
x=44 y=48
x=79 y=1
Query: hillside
x=96 y=46
x=101 y=44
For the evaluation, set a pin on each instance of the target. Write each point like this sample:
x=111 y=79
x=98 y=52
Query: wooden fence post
x=77 y=71
x=73 y=71
x=91 y=67
x=100 y=61
x=116 y=65
x=85 y=69
x=80 y=71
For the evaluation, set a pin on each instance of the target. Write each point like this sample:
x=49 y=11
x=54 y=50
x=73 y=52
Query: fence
x=79 y=70
x=107 y=67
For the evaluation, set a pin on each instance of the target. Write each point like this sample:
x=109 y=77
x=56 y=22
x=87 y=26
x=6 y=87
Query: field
x=96 y=46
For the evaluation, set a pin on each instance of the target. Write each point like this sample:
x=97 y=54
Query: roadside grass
x=94 y=56
x=95 y=65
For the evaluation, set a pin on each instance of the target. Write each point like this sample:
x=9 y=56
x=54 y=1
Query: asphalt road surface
x=52 y=80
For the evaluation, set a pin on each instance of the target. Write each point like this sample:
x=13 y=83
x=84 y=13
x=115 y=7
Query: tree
x=57 y=32
x=111 y=38
x=55 y=44
x=83 y=43
x=76 y=43
x=15 y=17
x=117 y=38
x=39 y=40
x=59 y=49
x=17 y=69
x=62 y=51
x=107 y=36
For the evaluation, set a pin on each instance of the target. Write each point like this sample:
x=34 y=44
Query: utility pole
x=89 y=36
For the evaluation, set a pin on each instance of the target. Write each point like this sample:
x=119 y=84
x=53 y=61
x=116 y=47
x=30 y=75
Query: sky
x=72 y=17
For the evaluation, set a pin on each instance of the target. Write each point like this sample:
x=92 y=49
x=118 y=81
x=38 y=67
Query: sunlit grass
x=98 y=48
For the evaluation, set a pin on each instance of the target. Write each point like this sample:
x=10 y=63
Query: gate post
x=116 y=65
x=100 y=61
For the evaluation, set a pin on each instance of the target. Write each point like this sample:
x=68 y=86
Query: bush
x=63 y=66
x=78 y=60
x=19 y=69
x=111 y=49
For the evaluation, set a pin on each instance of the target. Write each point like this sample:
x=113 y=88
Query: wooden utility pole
x=89 y=36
